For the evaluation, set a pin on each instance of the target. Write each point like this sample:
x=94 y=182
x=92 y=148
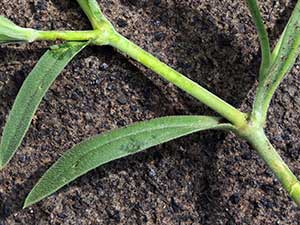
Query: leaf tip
x=28 y=202
x=2 y=164
x=3 y=161
x=32 y=198
x=25 y=205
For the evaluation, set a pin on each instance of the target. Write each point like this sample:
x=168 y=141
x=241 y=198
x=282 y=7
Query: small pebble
x=121 y=23
x=235 y=198
x=122 y=100
x=103 y=66
x=152 y=173
x=23 y=158
x=159 y=36
x=62 y=215
x=110 y=86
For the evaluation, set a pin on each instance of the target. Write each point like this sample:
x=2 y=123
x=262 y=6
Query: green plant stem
x=93 y=12
x=105 y=34
x=66 y=35
x=263 y=38
x=264 y=148
x=226 y=110
x=85 y=6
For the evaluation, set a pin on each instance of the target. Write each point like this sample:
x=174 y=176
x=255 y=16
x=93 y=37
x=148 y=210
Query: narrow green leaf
x=288 y=51
x=263 y=37
x=277 y=47
x=31 y=94
x=92 y=10
x=117 y=144
x=283 y=59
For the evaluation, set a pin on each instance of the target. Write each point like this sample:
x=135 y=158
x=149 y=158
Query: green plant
x=137 y=137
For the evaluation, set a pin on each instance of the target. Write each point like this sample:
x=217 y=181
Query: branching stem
x=257 y=114
x=250 y=129
x=181 y=81
x=129 y=48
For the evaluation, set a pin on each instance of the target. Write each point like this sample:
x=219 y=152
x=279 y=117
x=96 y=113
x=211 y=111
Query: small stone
x=122 y=100
x=110 y=86
x=235 y=198
x=103 y=66
x=62 y=215
x=121 y=23
x=23 y=158
x=152 y=172
x=159 y=36
x=75 y=96
x=98 y=81
x=121 y=123
x=134 y=108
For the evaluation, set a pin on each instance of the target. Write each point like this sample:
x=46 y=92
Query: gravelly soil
x=206 y=178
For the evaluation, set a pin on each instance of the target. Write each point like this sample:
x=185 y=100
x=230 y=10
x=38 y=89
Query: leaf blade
x=263 y=37
x=283 y=58
x=30 y=95
x=97 y=151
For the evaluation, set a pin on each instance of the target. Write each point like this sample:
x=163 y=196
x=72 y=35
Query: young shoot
x=134 y=138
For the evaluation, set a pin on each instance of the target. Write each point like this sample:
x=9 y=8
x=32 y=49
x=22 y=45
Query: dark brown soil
x=207 y=178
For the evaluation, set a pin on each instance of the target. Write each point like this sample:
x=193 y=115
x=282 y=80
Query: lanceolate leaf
x=288 y=51
x=263 y=36
x=31 y=94
x=116 y=144
x=283 y=59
